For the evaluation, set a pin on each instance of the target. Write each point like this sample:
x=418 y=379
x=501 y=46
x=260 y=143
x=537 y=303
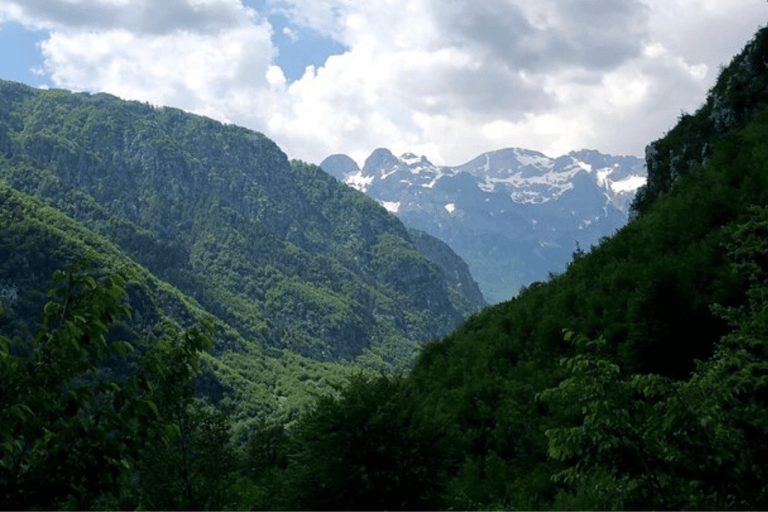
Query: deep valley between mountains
x=190 y=320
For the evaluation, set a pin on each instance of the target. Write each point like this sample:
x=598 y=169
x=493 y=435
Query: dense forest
x=637 y=379
x=267 y=245
x=303 y=280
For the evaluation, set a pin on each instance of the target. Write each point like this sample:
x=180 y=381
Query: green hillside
x=637 y=379
x=243 y=376
x=634 y=380
x=281 y=252
x=203 y=260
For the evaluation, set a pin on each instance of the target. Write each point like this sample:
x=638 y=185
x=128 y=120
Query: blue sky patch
x=21 y=54
x=299 y=47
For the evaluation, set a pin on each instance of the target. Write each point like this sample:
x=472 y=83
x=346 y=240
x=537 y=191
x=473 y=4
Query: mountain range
x=635 y=379
x=213 y=221
x=514 y=215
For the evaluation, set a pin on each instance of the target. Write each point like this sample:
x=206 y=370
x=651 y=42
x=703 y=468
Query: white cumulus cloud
x=446 y=79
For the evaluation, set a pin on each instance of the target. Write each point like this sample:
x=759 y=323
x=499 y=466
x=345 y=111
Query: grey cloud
x=603 y=12
x=673 y=88
x=494 y=26
x=602 y=34
x=487 y=89
x=597 y=34
x=144 y=16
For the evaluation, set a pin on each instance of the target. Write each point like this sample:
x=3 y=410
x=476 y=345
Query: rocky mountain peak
x=340 y=166
x=381 y=158
x=537 y=205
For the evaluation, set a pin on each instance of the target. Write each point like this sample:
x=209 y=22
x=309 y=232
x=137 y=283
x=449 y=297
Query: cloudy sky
x=449 y=79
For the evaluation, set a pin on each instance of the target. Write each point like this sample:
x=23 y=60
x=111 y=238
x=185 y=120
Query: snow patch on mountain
x=434 y=181
x=391 y=206
x=602 y=175
x=359 y=181
x=386 y=174
x=522 y=212
x=534 y=161
x=410 y=158
x=630 y=184
x=528 y=197
x=527 y=157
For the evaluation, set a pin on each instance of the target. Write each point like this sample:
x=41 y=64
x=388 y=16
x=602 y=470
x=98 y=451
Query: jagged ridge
x=513 y=215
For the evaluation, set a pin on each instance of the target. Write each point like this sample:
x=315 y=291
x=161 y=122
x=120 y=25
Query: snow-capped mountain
x=513 y=215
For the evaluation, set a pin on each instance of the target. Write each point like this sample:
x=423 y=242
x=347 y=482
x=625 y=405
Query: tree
x=70 y=433
x=192 y=471
x=369 y=449
x=644 y=441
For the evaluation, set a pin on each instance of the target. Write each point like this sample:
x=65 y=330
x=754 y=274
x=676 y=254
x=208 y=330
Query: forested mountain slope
x=741 y=87
x=247 y=378
x=215 y=290
x=280 y=252
x=634 y=380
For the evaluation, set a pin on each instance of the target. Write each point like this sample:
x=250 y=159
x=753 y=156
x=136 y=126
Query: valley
x=190 y=320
